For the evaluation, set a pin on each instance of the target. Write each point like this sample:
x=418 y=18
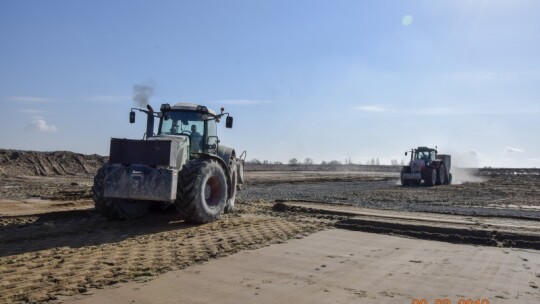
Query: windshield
x=192 y=124
x=181 y=122
x=424 y=155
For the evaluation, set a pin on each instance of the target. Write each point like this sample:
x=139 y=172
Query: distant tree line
x=310 y=161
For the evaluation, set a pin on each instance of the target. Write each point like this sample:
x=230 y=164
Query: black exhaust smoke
x=150 y=122
x=142 y=93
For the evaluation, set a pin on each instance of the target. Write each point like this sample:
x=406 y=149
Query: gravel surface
x=488 y=192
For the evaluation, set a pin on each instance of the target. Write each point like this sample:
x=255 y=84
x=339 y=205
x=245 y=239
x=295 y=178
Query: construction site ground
x=481 y=232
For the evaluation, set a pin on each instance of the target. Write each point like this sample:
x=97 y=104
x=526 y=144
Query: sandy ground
x=339 y=266
x=53 y=245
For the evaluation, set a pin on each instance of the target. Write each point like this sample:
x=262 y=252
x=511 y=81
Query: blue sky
x=320 y=79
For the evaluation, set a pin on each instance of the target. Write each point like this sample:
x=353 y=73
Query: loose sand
x=340 y=266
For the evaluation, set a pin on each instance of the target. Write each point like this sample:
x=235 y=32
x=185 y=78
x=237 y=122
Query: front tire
x=202 y=191
x=404 y=182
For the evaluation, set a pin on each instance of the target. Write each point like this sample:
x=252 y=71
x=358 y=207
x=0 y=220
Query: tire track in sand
x=94 y=253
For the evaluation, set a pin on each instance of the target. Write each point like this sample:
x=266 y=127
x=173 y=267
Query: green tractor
x=183 y=165
x=428 y=166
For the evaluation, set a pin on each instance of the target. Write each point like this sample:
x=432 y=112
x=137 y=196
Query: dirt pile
x=32 y=163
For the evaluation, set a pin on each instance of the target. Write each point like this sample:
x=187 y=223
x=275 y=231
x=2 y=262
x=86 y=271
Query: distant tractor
x=183 y=165
x=428 y=166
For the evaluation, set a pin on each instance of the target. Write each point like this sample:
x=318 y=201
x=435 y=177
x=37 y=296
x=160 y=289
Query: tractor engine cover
x=417 y=165
x=416 y=170
x=163 y=152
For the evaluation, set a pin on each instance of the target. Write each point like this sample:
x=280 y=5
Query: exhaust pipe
x=150 y=122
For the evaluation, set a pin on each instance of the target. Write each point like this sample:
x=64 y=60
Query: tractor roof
x=189 y=107
x=425 y=149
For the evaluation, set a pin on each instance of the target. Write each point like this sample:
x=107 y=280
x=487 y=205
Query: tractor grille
x=416 y=166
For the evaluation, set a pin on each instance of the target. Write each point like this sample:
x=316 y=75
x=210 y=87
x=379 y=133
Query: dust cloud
x=465 y=167
x=466 y=175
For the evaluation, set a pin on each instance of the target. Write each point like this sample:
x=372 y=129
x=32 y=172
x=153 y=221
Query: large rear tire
x=202 y=191
x=431 y=176
x=115 y=209
x=441 y=175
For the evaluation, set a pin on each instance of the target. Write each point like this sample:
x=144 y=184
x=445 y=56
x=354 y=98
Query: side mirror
x=229 y=122
x=131 y=117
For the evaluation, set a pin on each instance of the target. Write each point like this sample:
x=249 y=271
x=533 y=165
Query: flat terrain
x=486 y=192
x=340 y=266
x=53 y=245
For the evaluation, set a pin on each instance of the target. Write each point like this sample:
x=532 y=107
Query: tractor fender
x=225 y=153
x=224 y=165
x=436 y=164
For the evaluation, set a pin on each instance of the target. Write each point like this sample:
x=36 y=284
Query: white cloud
x=41 y=125
x=450 y=111
x=241 y=102
x=419 y=111
x=28 y=99
x=371 y=108
x=513 y=150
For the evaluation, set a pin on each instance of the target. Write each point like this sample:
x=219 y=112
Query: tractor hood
x=178 y=139
x=417 y=165
x=158 y=151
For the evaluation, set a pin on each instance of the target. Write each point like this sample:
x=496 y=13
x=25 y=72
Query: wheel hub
x=212 y=191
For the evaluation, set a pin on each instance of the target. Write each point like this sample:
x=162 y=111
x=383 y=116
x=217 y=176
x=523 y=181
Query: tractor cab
x=199 y=126
x=187 y=120
x=194 y=121
x=426 y=154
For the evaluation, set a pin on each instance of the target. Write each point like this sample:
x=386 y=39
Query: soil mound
x=32 y=163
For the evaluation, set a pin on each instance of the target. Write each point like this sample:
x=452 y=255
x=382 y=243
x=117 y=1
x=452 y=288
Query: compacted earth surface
x=54 y=246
